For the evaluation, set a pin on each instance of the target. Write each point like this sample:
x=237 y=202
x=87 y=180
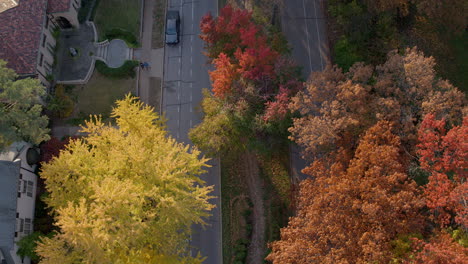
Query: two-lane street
x=303 y=24
x=185 y=75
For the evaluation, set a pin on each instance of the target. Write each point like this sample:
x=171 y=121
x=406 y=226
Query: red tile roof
x=58 y=6
x=20 y=35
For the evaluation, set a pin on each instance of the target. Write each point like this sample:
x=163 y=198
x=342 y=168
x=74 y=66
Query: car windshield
x=171 y=27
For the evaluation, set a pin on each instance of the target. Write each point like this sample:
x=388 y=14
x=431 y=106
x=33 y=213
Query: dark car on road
x=172 y=27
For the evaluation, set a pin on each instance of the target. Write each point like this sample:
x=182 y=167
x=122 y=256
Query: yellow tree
x=125 y=193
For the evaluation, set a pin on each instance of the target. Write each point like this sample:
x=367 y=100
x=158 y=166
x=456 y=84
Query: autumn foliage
x=223 y=76
x=350 y=214
x=253 y=80
x=440 y=249
x=337 y=108
x=444 y=153
x=52 y=148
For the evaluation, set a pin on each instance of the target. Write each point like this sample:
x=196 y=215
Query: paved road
x=304 y=26
x=185 y=75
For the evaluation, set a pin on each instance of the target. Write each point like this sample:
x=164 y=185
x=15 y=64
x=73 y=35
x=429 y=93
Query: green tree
x=125 y=194
x=20 y=109
x=27 y=246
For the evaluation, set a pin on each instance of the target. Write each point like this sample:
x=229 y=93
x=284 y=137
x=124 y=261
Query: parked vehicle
x=172 y=27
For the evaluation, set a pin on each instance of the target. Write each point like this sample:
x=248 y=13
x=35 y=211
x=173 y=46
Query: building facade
x=18 y=186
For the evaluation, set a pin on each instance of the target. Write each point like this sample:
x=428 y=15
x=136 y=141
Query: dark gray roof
x=9 y=178
x=7 y=258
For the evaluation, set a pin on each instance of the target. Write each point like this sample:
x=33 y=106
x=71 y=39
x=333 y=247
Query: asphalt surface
x=303 y=23
x=185 y=75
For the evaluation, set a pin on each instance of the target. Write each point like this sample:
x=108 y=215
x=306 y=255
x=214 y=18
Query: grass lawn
x=100 y=93
x=159 y=11
x=235 y=204
x=124 y=14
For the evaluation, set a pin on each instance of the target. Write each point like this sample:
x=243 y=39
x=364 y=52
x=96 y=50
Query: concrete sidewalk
x=149 y=80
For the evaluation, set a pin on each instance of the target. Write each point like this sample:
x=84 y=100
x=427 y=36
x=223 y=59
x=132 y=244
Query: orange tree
x=349 y=214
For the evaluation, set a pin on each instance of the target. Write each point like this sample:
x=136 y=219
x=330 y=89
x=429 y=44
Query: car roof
x=171 y=23
x=173 y=14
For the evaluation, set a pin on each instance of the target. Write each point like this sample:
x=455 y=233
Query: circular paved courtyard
x=116 y=53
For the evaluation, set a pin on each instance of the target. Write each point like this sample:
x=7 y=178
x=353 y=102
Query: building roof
x=9 y=179
x=20 y=35
x=55 y=6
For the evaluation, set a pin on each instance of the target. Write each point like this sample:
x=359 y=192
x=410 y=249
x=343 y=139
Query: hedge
x=124 y=71
x=118 y=33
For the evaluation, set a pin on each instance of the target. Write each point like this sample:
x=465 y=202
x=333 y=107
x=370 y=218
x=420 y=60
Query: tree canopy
x=349 y=214
x=337 y=108
x=20 y=109
x=125 y=194
x=444 y=154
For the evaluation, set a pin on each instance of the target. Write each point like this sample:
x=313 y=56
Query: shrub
x=56 y=33
x=118 y=33
x=60 y=104
x=345 y=54
x=124 y=71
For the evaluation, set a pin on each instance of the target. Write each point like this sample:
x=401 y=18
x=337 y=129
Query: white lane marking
x=318 y=34
x=191 y=92
x=178 y=121
x=307 y=34
x=193 y=18
x=180 y=66
x=178 y=91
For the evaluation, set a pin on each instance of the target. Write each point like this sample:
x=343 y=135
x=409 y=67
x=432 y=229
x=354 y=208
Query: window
x=41 y=59
x=48 y=67
x=30 y=187
x=47 y=23
x=20 y=225
x=21 y=176
x=17 y=214
x=44 y=38
x=27 y=226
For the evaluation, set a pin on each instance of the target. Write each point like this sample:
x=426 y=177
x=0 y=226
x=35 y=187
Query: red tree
x=440 y=249
x=278 y=108
x=52 y=147
x=445 y=155
x=226 y=32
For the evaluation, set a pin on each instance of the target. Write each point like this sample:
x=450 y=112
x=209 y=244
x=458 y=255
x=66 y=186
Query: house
x=18 y=184
x=27 y=40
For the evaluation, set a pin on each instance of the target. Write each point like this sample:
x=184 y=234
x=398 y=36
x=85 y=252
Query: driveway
x=303 y=24
x=185 y=75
